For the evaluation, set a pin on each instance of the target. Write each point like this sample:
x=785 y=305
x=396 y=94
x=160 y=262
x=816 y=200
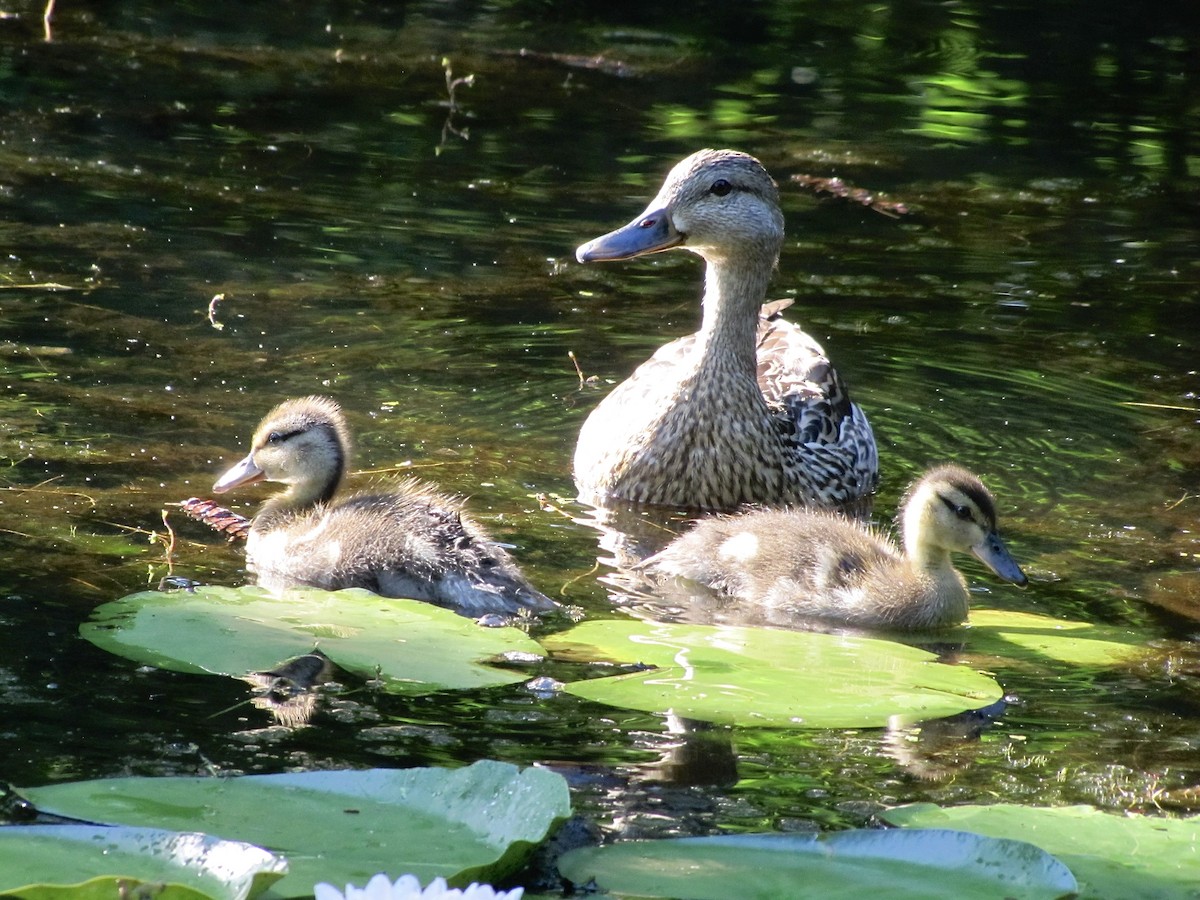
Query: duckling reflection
x=289 y=691
x=791 y=565
x=410 y=541
x=747 y=410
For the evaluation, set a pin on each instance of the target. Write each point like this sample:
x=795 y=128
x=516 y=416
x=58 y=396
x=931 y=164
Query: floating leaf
x=760 y=676
x=1032 y=638
x=922 y=865
x=476 y=823
x=96 y=862
x=411 y=646
x=1130 y=857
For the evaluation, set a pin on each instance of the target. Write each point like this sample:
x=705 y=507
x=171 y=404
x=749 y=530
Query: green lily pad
x=1028 y=637
x=411 y=646
x=1130 y=857
x=478 y=823
x=923 y=865
x=96 y=862
x=761 y=676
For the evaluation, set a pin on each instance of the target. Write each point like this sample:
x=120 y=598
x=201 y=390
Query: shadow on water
x=205 y=209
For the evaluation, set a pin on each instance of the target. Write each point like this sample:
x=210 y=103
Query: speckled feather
x=747 y=410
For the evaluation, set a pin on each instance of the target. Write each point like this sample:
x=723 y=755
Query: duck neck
x=933 y=562
x=299 y=498
x=734 y=290
x=930 y=560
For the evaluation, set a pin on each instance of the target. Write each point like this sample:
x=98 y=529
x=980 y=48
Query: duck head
x=715 y=203
x=303 y=443
x=949 y=510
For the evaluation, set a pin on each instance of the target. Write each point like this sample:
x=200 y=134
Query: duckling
x=411 y=541
x=795 y=564
x=746 y=410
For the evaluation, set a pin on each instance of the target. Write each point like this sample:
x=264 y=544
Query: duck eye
x=720 y=187
x=274 y=437
x=963 y=512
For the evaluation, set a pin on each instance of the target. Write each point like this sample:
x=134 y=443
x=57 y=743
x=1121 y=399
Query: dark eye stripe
x=963 y=512
x=278 y=437
x=981 y=499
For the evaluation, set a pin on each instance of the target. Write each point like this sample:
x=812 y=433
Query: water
x=1034 y=319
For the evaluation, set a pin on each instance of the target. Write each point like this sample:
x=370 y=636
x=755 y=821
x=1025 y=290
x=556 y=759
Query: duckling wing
x=415 y=542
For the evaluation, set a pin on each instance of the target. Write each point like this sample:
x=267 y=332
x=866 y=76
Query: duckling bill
x=748 y=409
x=797 y=564
x=410 y=541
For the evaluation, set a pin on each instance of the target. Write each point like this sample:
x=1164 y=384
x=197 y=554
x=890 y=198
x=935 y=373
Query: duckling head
x=719 y=204
x=303 y=443
x=949 y=510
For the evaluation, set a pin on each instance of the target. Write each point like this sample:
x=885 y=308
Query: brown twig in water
x=452 y=86
x=1186 y=496
x=43 y=286
x=169 y=553
x=836 y=187
x=575 y=362
x=583 y=382
x=37 y=489
x=1166 y=406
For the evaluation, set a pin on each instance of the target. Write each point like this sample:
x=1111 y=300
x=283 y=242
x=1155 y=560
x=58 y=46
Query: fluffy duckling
x=797 y=564
x=746 y=410
x=410 y=541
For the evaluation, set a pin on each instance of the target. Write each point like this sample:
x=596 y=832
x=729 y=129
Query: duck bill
x=651 y=232
x=245 y=472
x=993 y=554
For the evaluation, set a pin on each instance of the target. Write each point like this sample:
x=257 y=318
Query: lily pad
x=478 y=823
x=1131 y=857
x=410 y=646
x=96 y=862
x=760 y=676
x=1040 y=639
x=923 y=865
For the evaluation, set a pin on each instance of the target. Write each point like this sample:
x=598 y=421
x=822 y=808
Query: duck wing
x=811 y=404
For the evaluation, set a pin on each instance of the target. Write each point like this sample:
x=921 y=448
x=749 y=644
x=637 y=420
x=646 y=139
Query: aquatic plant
x=408 y=887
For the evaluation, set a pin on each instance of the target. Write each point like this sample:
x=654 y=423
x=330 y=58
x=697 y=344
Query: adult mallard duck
x=746 y=410
x=796 y=564
x=411 y=541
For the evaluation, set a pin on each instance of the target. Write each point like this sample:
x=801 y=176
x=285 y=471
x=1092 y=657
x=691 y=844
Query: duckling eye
x=963 y=512
x=274 y=437
x=720 y=187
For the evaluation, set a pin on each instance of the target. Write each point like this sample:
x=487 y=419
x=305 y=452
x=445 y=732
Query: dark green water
x=1035 y=319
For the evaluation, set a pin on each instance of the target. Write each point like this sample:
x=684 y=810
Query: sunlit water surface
x=1033 y=318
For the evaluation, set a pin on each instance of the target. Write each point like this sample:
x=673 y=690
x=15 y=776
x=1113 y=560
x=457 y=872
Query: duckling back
x=411 y=542
x=796 y=564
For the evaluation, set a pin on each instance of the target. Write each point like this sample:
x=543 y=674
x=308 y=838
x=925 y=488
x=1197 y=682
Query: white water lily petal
x=408 y=887
x=378 y=888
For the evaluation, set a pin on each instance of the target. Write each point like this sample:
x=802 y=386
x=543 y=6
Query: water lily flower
x=408 y=887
